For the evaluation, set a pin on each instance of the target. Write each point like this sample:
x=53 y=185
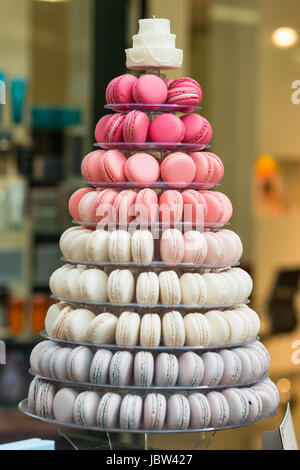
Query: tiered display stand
x=159 y=150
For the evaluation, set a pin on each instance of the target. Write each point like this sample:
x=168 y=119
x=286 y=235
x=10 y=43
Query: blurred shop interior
x=56 y=58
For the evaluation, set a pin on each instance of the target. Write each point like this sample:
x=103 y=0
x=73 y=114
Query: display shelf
x=136 y=306
x=135 y=224
x=179 y=186
x=23 y=408
x=158 y=349
x=154 y=108
x=150 y=388
x=153 y=146
x=161 y=265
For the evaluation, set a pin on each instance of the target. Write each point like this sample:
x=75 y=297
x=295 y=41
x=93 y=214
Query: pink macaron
x=135 y=127
x=150 y=89
x=75 y=199
x=195 y=208
x=184 y=96
x=146 y=206
x=170 y=206
x=166 y=128
x=113 y=131
x=87 y=207
x=119 y=90
x=90 y=167
x=177 y=168
x=197 y=129
x=142 y=167
x=204 y=167
x=112 y=166
x=124 y=206
x=100 y=128
x=219 y=207
x=104 y=206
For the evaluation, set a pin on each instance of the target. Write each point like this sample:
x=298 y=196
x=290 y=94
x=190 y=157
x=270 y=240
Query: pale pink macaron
x=124 y=206
x=136 y=127
x=166 y=128
x=233 y=246
x=112 y=166
x=100 y=128
x=172 y=246
x=150 y=89
x=142 y=167
x=178 y=168
x=75 y=200
x=170 y=206
x=197 y=129
x=195 y=247
x=104 y=205
x=195 y=209
x=204 y=167
x=146 y=206
x=216 y=252
x=219 y=207
x=87 y=207
x=119 y=90
x=113 y=131
x=90 y=167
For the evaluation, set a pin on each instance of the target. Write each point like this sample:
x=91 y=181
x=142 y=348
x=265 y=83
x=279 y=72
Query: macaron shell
x=136 y=127
x=100 y=366
x=119 y=90
x=121 y=368
x=197 y=129
x=108 y=410
x=142 y=247
x=178 y=167
x=104 y=205
x=166 y=128
x=100 y=128
x=120 y=286
x=142 y=167
x=197 y=330
x=128 y=329
x=219 y=409
x=79 y=363
x=190 y=369
x=85 y=408
x=178 y=412
x=131 y=412
x=113 y=131
x=170 y=206
x=213 y=369
x=90 y=166
x=147 y=289
x=195 y=207
x=200 y=411
x=166 y=370
x=150 y=89
x=232 y=367
x=63 y=404
x=124 y=206
x=146 y=206
x=155 y=407
x=170 y=292
x=204 y=167
x=75 y=200
x=112 y=165
x=173 y=330
x=150 y=333
x=143 y=369
x=172 y=246
x=238 y=406
x=195 y=247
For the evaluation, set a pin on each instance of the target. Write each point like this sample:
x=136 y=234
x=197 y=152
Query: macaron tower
x=151 y=332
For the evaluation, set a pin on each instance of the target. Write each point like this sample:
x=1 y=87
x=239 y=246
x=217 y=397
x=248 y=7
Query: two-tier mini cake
x=154 y=46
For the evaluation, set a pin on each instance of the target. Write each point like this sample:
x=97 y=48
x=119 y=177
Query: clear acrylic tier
x=150 y=388
x=136 y=224
x=153 y=108
x=156 y=349
x=153 y=146
x=136 y=306
x=155 y=265
x=23 y=408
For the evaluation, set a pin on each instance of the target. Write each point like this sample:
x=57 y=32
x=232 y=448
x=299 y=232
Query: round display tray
x=153 y=185
x=155 y=349
x=135 y=224
x=23 y=408
x=152 y=146
x=137 y=306
x=152 y=388
x=153 y=108
x=152 y=265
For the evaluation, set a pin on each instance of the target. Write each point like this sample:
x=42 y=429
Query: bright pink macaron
x=146 y=206
x=112 y=165
x=186 y=82
x=119 y=90
x=194 y=206
x=135 y=127
x=219 y=207
x=124 y=206
x=90 y=167
x=75 y=199
x=142 y=167
x=178 y=168
x=87 y=207
x=150 y=89
x=186 y=96
x=113 y=131
x=100 y=128
x=166 y=128
x=170 y=206
x=197 y=129
x=104 y=206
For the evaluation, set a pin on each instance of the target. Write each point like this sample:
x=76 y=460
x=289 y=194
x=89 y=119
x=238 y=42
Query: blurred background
x=56 y=58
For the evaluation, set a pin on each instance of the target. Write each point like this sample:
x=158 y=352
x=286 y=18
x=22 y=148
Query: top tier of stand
x=152 y=108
